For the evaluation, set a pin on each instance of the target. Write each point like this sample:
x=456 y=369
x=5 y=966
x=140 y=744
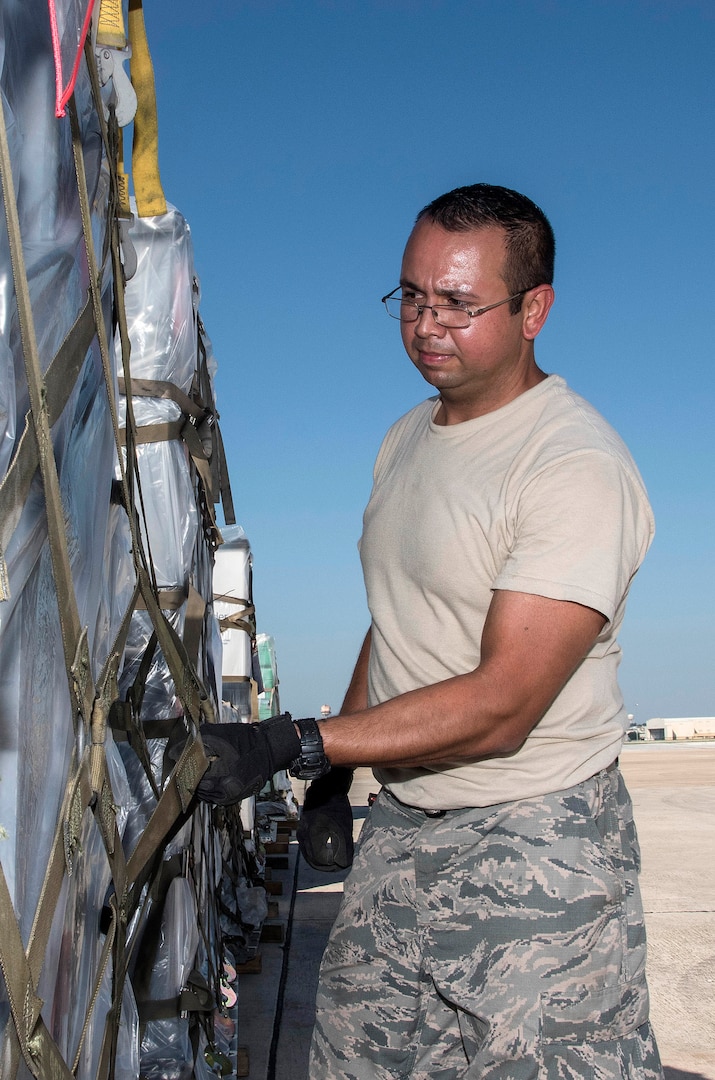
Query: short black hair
x=530 y=245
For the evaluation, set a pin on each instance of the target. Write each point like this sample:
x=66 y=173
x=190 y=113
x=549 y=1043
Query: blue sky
x=300 y=139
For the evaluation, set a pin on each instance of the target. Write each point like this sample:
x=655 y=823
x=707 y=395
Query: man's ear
x=536 y=307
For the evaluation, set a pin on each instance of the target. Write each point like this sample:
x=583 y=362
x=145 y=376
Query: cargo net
x=125 y=905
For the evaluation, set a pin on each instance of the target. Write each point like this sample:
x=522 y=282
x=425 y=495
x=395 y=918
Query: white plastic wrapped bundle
x=162 y=325
x=163 y=330
x=232 y=590
x=268 y=702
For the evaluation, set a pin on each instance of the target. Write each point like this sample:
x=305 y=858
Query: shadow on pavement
x=682 y=1074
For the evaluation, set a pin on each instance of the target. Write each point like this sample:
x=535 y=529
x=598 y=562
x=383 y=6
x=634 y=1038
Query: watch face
x=312 y=762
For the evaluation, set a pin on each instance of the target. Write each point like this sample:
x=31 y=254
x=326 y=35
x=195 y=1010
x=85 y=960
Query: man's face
x=489 y=359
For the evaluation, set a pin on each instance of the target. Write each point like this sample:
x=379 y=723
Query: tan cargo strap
x=245 y=619
x=194 y=997
x=183 y=428
x=168 y=599
x=220 y=482
x=60 y=380
x=160 y=388
x=29 y=1034
x=74 y=642
x=194 y=623
x=173 y=805
x=123 y=726
x=148 y=191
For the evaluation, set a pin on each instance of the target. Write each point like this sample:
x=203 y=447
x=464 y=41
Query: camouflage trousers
x=498 y=943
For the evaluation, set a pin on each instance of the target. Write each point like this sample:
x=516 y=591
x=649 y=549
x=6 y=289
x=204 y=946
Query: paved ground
x=673 y=789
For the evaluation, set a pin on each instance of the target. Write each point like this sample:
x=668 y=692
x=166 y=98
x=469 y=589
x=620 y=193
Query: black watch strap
x=312 y=761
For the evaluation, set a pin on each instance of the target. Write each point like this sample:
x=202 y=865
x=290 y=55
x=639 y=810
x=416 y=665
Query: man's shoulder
x=571 y=429
x=568 y=418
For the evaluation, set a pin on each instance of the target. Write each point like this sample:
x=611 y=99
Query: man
x=491 y=926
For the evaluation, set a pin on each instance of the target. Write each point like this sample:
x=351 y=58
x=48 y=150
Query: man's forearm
x=531 y=645
x=434 y=724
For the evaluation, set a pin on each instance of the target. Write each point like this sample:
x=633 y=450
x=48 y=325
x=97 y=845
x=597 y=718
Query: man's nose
x=427 y=325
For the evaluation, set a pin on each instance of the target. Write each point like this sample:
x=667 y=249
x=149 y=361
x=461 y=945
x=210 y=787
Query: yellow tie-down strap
x=110 y=25
x=148 y=191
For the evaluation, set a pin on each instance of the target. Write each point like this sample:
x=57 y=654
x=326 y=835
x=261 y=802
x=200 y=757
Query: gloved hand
x=243 y=757
x=325 y=829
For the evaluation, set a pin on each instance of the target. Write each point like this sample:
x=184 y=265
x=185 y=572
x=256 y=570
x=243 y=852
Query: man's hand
x=325 y=829
x=243 y=757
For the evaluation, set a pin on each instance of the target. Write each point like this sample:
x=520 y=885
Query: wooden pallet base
x=242 y=1062
x=251 y=967
x=273 y=933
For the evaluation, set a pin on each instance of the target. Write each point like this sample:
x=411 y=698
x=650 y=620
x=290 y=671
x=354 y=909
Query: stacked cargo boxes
x=117 y=951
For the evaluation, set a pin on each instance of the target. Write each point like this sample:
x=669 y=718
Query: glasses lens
x=401 y=309
x=408 y=312
x=454 y=318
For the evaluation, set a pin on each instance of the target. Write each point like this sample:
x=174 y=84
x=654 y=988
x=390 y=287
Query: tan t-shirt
x=541 y=496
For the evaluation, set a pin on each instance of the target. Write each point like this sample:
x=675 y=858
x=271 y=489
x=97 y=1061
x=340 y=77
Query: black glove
x=325 y=829
x=243 y=757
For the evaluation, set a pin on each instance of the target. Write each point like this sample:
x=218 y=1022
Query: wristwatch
x=312 y=761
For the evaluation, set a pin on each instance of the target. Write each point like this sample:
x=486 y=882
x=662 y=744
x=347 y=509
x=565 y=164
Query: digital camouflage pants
x=499 y=943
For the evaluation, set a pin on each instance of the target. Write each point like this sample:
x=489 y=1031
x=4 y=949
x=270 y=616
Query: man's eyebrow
x=463 y=292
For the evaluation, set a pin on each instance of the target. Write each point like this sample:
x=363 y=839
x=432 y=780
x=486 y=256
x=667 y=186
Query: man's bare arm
x=531 y=646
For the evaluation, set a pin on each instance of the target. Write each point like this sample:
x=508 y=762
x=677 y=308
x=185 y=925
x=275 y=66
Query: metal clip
x=110 y=65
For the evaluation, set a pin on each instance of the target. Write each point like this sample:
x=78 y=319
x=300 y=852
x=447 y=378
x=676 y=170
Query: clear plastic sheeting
x=166 y=1052
x=121 y=887
x=37 y=739
x=168 y=389
x=162 y=300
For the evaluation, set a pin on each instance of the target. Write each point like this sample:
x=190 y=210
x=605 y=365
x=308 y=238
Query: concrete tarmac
x=673 y=790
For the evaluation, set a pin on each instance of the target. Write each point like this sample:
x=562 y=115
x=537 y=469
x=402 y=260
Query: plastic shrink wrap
x=233 y=604
x=37 y=740
x=169 y=373
x=82 y=765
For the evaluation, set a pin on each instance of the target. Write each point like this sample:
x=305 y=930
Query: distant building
x=679 y=727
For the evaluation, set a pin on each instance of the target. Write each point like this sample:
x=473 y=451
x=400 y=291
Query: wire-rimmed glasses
x=456 y=315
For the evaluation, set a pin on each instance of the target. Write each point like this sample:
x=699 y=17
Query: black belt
x=419 y=809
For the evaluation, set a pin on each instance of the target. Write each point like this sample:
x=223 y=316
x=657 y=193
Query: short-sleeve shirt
x=540 y=496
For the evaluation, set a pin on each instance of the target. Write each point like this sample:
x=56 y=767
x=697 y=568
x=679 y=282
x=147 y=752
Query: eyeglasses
x=456 y=316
